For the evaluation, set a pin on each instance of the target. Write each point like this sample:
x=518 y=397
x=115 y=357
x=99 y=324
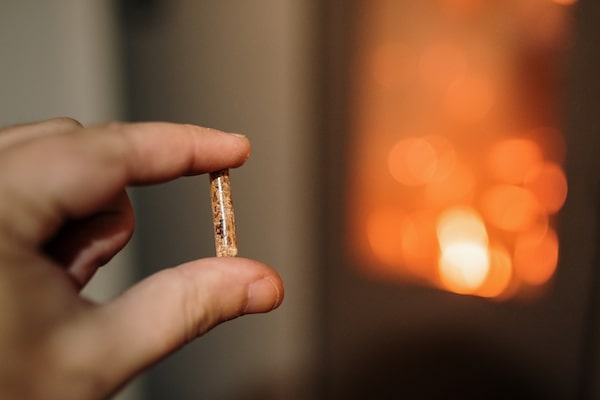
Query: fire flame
x=456 y=178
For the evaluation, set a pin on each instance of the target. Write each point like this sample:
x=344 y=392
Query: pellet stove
x=463 y=232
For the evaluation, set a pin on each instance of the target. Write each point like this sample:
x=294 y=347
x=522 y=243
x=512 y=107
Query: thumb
x=172 y=307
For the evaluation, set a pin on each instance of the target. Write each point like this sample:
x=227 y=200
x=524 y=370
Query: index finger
x=70 y=175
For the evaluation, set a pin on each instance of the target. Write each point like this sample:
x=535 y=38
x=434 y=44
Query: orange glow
x=384 y=232
x=455 y=164
x=565 y=2
x=457 y=187
x=461 y=224
x=509 y=207
x=419 y=244
x=464 y=265
x=392 y=65
x=510 y=159
x=464 y=259
x=441 y=64
x=549 y=185
x=462 y=5
x=545 y=25
x=538 y=230
x=535 y=258
x=469 y=99
x=412 y=162
x=445 y=155
x=417 y=161
x=552 y=141
x=499 y=275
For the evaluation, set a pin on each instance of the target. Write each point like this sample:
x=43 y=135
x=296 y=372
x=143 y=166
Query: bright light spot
x=461 y=224
x=509 y=160
x=470 y=98
x=509 y=207
x=464 y=266
x=549 y=185
x=499 y=275
x=535 y=258
x=464 y=260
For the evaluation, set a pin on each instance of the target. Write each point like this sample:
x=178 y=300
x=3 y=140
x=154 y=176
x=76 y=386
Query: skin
x=64 y=212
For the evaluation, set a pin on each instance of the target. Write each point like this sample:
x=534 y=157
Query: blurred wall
x=61 y=58
x=241 y=67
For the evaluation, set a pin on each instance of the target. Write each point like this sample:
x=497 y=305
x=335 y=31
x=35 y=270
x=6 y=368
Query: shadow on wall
x=439 y=367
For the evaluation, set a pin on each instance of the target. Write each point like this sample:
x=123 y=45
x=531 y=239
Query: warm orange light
x=499 y=275
x=445 y=155
x=510 y=159
x=545 y=25
x=464 y=258
x=455 y=161
x=548 y=183
x=551 y=140
x=392 y=65
x=412 y=161
x=462 y=5
x=464 y=265
x=565 y=2
x=470 y=98
x=384 y=232
x=510 y=207
x=417 y=161
x=419 y=244
x=458 y=187
x=461 y=224
x=441 y=64
x=535 y=258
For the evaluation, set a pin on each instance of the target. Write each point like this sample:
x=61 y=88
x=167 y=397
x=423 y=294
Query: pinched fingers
x=54 y=178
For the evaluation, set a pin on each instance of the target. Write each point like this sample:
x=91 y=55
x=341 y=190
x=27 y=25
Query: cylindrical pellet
x=223 y=215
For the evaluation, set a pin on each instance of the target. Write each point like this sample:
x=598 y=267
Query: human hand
x=63 y=213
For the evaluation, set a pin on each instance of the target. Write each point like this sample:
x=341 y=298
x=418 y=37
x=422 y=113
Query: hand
x=63 y=213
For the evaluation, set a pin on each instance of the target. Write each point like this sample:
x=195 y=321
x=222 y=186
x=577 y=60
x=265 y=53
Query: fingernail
x=238 y=135
x=263 y=296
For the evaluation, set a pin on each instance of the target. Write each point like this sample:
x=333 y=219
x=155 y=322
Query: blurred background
x=424 y=176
